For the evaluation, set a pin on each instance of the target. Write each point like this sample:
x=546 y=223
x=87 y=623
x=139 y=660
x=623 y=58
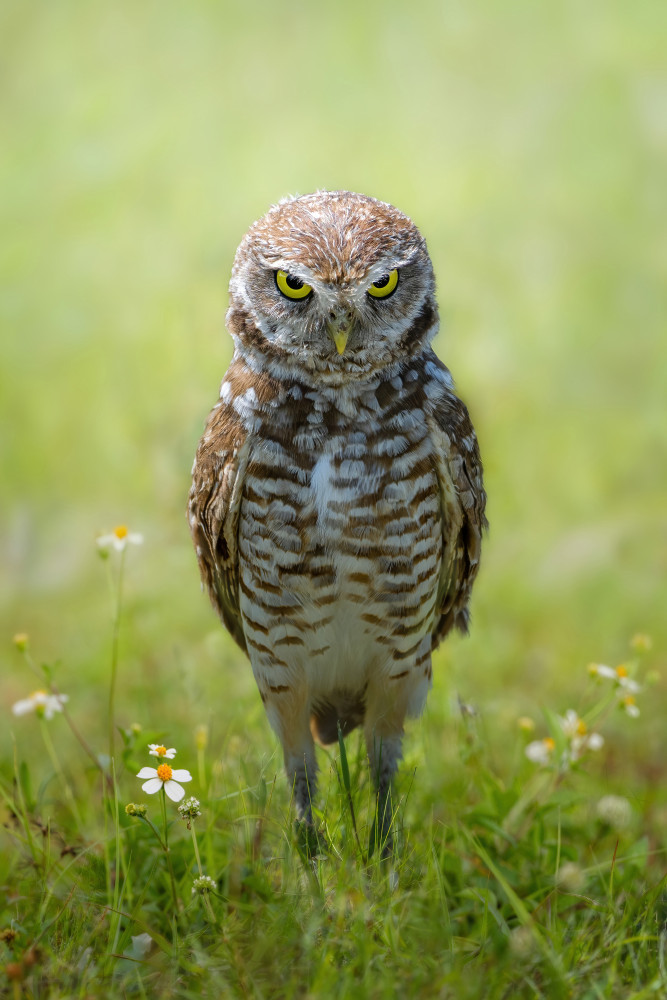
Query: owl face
x=333 y=283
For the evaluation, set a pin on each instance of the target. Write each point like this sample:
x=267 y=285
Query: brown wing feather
x=213 y=512
x=463 y=498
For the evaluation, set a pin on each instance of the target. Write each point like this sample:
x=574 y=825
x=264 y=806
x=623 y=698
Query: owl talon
x=381 y=837
x=310 y=842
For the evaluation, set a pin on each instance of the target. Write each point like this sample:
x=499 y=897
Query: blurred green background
x=140 y=140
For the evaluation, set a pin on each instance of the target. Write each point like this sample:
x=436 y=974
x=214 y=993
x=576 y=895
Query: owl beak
x=340 y=327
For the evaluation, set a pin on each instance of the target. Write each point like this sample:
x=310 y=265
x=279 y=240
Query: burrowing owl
x=337 y=503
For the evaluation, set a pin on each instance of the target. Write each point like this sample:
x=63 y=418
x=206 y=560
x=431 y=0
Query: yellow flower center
x=160 y=751
x=549 y=743
x=164 y=772
x=581 y=727
x=628 y=700
x=120 y=532
x=621 y=671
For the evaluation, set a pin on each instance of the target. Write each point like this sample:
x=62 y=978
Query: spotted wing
x=213 y=512
x=463 y=503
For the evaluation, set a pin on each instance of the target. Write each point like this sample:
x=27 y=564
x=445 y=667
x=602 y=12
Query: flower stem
x=201 y=767
x=207 y=901
x=66 y=715
x=114 y=655
x=163 y=803
x=196 y=847
x=155 y=830
x=50 y=749
x=209 y=908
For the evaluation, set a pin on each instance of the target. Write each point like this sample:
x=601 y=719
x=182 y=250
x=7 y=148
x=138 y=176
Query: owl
x=337 y=504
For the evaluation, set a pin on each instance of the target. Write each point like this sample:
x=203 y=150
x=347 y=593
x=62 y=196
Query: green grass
x=506 y=878
x=528 y=143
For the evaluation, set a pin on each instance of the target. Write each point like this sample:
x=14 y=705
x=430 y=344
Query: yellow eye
x=292 y=287
x=384 y=286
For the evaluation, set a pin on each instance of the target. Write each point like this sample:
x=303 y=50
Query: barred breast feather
x=344 y=522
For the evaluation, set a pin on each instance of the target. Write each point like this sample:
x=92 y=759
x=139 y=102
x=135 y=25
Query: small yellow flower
x=525 y=724
x=602 y=670
x=201 y=736
x=571 y=724
x=540 y=751
x=641 y=642
x=164 y=776
x=43 y=704
x=627 y=703
x=20 y=640
x=617 y=674
x=157 y=750
x=579 y=739
x=119 y=538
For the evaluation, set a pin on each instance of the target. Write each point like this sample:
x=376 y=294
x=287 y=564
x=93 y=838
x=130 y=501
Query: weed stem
x=114 y=654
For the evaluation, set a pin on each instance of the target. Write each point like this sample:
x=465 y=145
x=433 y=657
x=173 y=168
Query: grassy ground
x=528 y=143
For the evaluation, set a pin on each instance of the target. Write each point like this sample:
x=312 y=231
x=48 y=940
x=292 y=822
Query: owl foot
x=310 y=841
x=381 y=837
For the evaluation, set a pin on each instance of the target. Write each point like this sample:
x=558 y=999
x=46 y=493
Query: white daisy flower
x=164 y=776
x=571 y=724
x=541 y=751
x=602 y=670
x=617 y=674
x=625 y=682
x=576 y=731
x=627 y=703
x=119 y=538
x=578 y=739
x=590 y=741
x=42 y=703
x=157 y=750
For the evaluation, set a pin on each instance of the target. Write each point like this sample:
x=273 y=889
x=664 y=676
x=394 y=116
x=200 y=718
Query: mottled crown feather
x=337 y=234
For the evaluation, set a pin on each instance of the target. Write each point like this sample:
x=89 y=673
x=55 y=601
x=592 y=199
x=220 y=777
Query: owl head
x=332 y=285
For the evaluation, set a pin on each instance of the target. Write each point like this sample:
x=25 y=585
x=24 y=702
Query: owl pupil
x=294 y=283
x=381 y=282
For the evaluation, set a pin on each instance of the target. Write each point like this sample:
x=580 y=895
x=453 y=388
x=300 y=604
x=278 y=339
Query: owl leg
x=288 y=712
x=383 y=730
x=389 y=700
x=384 y=754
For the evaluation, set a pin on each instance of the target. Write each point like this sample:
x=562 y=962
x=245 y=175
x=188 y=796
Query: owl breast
x=340 y=541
